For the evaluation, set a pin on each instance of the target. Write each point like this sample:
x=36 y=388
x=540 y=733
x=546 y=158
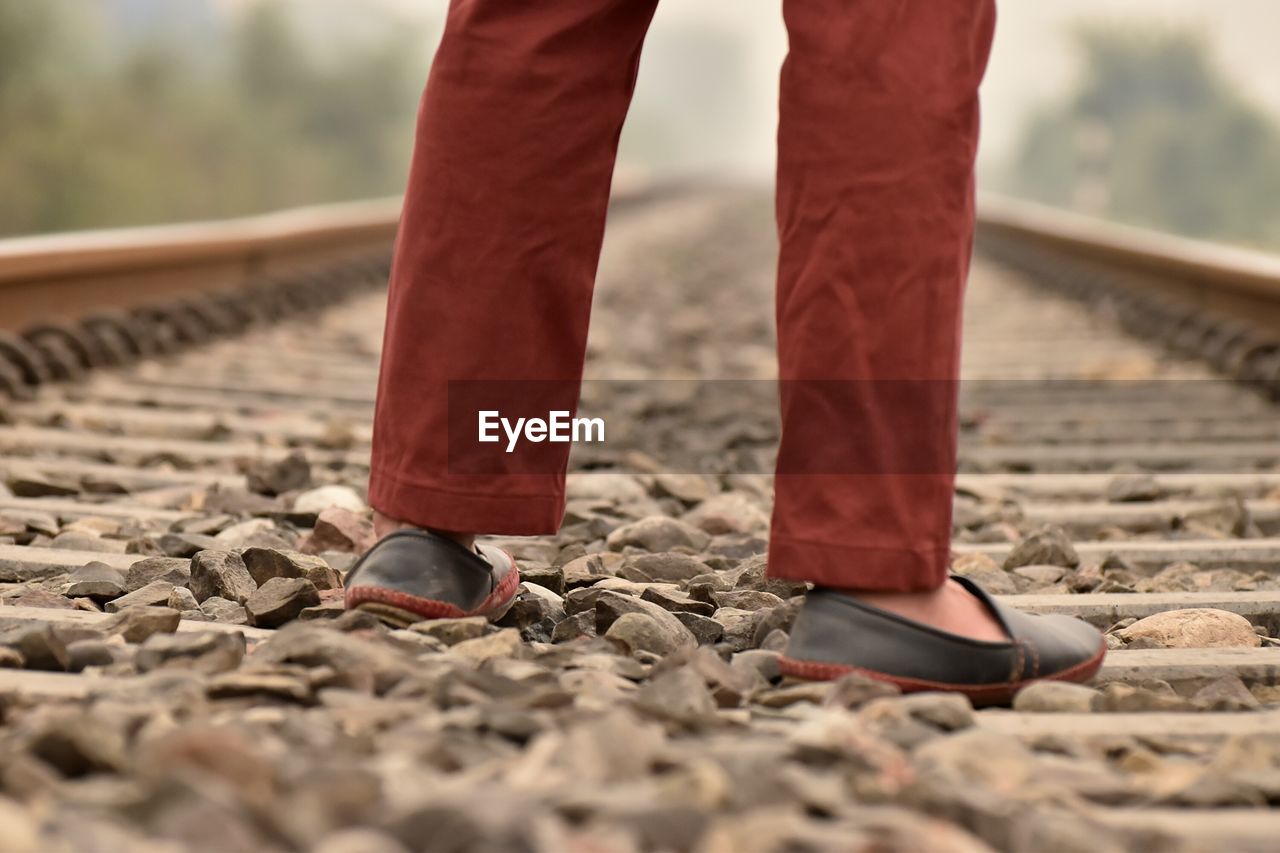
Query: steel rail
x=71 y=302
x=1221 y=303
x=1221 y=267
x=63 y=276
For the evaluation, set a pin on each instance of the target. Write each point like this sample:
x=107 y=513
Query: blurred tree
x=137 y=128
x=1155 y=134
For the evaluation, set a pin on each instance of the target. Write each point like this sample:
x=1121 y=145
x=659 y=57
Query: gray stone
x=182 y=600
x=985 y=572
x=33 y=485
x=503 y=643
x=324 y=610
x=357 y=663
x=40 y=646
x=239 y=683
x=79 y=743
x=359 y=841
x=981 y=758
x=1227 y=693
x=1041 y=575
x=736 y=546
x=634 y=632
x=136 y=624
x=206 y=652
x=946 y=711
x=772 y=625
x=1056 y=696
x=739 y=626
x=854 y=691
x=83 y=654
x=813 y=692
x=221 y=610
x=1048 y=546
x=585 y=571
x=453 y=631
x=765 y=663
x=551 y=604
x=567 y=554
x=275 y=477
x=728 y=513
x=658 y=533
x=679 y=696
x=34 y=596
x=686 y=488
x=176 y=572
x=753 y=573
x=242 y=534
x=676 y=601
x=80 y=540
x=611 y=605
x=575 y=627
x=672 y=567
x=97 y=581
x=267 y=563
x=1133 y=487
x=1127 y=698
x=413 y=642
x=154 y=594
x=548 y=577
x=1192 y=628
x=607 y=486
x=338 y=529
x=747 y=599
x=223 y=574
x=186 y=545
x=1226 y=518
x=280 y=600
x=581 y=600
x=340 y=561
x=19 y=829
x=705 y=630
x=534 y=612
x=315 y=501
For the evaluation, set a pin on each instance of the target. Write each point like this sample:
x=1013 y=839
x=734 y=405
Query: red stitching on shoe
x=430 y=608
x=814 y=671
x=427 y=608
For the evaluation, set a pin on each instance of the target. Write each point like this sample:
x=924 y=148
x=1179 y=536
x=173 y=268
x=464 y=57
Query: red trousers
x=504 y=218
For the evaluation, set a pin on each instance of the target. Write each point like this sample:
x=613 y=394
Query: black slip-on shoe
x=411 y=575
x=835 y=635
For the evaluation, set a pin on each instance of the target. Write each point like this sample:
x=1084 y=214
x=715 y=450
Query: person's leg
x=499 y=241
x=877 y=138
x=878 y=133
x=490 y=292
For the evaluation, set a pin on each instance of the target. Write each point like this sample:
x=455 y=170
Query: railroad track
x=175 y=668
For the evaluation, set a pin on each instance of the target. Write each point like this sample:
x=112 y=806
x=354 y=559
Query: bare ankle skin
x=385 y=524
x=948 y=608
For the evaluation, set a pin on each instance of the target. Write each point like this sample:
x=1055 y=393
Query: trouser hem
x=855 y=567
x=506 y=514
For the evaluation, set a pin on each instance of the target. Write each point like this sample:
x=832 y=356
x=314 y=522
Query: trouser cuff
x=506 y=514
x=854 y=567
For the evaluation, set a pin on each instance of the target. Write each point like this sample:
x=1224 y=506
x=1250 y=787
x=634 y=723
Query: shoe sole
x=980 y=695
x=400 y=610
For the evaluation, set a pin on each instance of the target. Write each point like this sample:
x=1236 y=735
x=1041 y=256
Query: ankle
x=384 y=525
x=872 y=596
x=466 y=540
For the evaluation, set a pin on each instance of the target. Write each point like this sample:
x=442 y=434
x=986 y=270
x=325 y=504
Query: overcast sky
x=1032 y=61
